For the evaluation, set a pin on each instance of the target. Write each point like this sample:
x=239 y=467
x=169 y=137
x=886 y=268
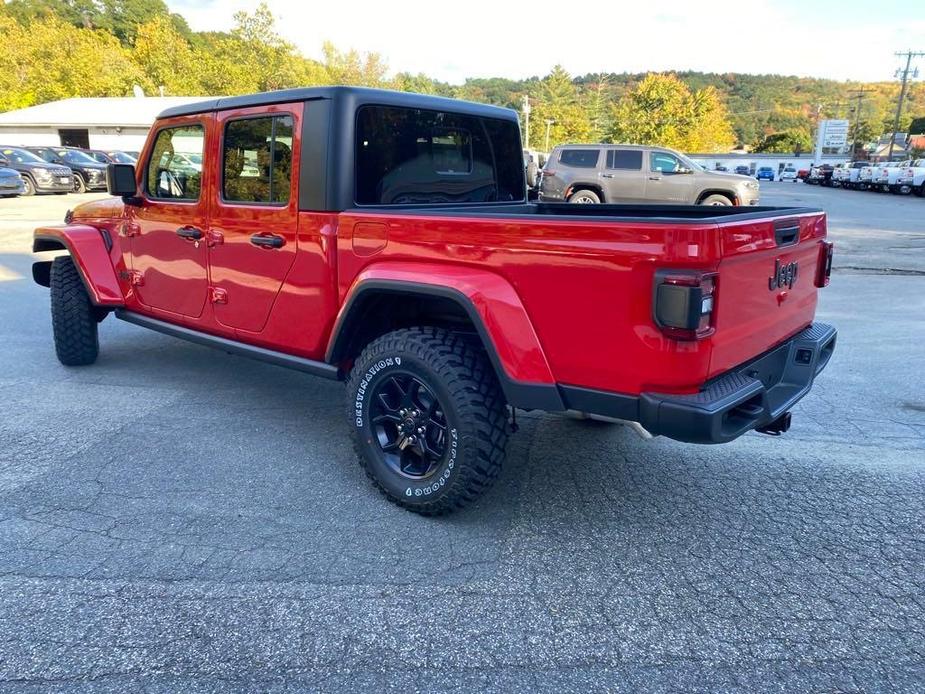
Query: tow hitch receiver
x=777 y=427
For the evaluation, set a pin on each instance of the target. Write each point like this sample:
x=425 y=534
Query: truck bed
x=617 y=212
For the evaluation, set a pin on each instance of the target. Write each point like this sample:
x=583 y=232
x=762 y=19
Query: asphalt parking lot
x=178 y=519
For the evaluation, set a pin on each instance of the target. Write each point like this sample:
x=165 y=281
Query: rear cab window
x=174 y=170
x=580 y=158
x=418 y=156
x=624 y=159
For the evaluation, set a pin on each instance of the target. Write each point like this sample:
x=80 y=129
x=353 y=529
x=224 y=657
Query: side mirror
x=120 y=180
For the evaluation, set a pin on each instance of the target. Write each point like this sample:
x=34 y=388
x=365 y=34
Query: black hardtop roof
x=358 y=95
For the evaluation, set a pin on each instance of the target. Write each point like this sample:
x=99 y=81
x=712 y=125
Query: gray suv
x=638 y=174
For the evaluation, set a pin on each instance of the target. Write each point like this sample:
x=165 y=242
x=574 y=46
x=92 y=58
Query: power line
x=909 y=55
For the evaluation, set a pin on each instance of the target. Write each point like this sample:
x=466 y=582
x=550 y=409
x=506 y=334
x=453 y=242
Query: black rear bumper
x=751 y=396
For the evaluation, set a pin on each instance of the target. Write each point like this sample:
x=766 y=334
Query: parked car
x=854 y=173
x=11 y=183
x=914 y=177
x=743 y=170
x=789 y=174
x=803 y=174
x=820 y=175
x=38 y=176
x=764 y=173
x=442 y=319
x=107 y=157
x=886 y=177
x=638 y=174
x=865 y=177
x=89 y=174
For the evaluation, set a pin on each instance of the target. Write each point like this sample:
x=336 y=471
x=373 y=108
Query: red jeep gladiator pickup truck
x=385 y=239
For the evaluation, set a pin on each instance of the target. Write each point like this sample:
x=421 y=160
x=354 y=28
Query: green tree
x=917 y=125
x=351 y=67
x=52 y=59
x=556 y=98
x=662 y=110
x=787 y=141
x=166 y=59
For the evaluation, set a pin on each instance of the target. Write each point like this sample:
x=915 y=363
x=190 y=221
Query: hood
x=97 y=209
x=735 y=177
x=8 y=173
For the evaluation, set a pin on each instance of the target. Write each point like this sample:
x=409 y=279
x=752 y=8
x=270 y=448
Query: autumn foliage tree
x=662 y=110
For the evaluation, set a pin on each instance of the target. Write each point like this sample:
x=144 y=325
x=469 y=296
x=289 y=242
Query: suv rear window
x=580 y=158
x=625 y=159
x=415 y=156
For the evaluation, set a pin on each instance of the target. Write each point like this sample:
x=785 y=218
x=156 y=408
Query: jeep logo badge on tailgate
x=784 y=276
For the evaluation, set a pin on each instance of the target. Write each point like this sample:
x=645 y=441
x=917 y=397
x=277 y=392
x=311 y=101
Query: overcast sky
x=846 y=39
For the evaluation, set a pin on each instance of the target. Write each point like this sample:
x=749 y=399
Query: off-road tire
x=73 y=318
x=584 y=197
x=457 y=370
x=716 y=199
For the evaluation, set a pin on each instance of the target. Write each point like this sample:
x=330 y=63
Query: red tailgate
x=767 y=285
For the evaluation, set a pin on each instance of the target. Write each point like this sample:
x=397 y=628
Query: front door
x=668 y=180
x=169 y=252
x=254 y=214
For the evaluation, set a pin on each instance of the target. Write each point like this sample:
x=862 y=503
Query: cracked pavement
x=178 y=519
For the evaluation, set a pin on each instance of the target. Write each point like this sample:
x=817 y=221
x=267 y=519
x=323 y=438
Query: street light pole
x=549 y=122
x=526 y=110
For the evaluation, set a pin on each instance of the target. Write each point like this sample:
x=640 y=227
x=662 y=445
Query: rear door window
x=580 y=158
x=418 y=156
x=624 y=159
x=257 y=160
x=172 y=174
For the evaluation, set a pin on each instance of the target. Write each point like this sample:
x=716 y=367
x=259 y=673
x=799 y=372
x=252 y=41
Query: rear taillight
x=685 y=303
x=824 y=264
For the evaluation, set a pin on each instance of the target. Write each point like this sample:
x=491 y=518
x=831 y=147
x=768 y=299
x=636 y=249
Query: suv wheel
x=584 y=197
x=73 y=318
x=716 y=200
x=80 y=186
x=30 y=186
x=428 y=418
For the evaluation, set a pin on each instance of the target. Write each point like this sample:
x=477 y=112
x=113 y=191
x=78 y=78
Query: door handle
x=655 y=178
x=607 y=175
x=268 y=241
x=188 y=232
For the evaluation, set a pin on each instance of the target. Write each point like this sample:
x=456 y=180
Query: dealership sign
x=833 y=133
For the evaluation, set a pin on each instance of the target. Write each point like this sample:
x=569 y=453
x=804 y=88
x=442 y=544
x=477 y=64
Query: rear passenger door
x=624 y=179
x=253 y=224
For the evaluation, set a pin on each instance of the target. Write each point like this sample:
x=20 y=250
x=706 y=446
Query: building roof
x=81 y=112
x=351 y=96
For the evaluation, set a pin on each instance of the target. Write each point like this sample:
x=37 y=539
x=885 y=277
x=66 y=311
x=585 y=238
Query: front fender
x=495 y=309
x=91 y=256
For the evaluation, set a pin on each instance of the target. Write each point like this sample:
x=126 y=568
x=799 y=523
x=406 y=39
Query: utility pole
x=549 y=122
x=858 y=110
x=526 y=110
x=909 y=55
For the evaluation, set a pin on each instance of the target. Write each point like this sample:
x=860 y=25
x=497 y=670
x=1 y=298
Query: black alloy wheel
x=409 y=424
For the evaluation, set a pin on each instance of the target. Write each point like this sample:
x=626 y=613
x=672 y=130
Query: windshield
x=76 y=157
x=122 y=158
x=21 y=156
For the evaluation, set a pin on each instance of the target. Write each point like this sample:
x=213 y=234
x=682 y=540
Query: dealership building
x=114 y=123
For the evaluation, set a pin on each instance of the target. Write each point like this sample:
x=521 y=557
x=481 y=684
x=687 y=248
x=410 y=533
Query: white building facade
x=108 y=123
